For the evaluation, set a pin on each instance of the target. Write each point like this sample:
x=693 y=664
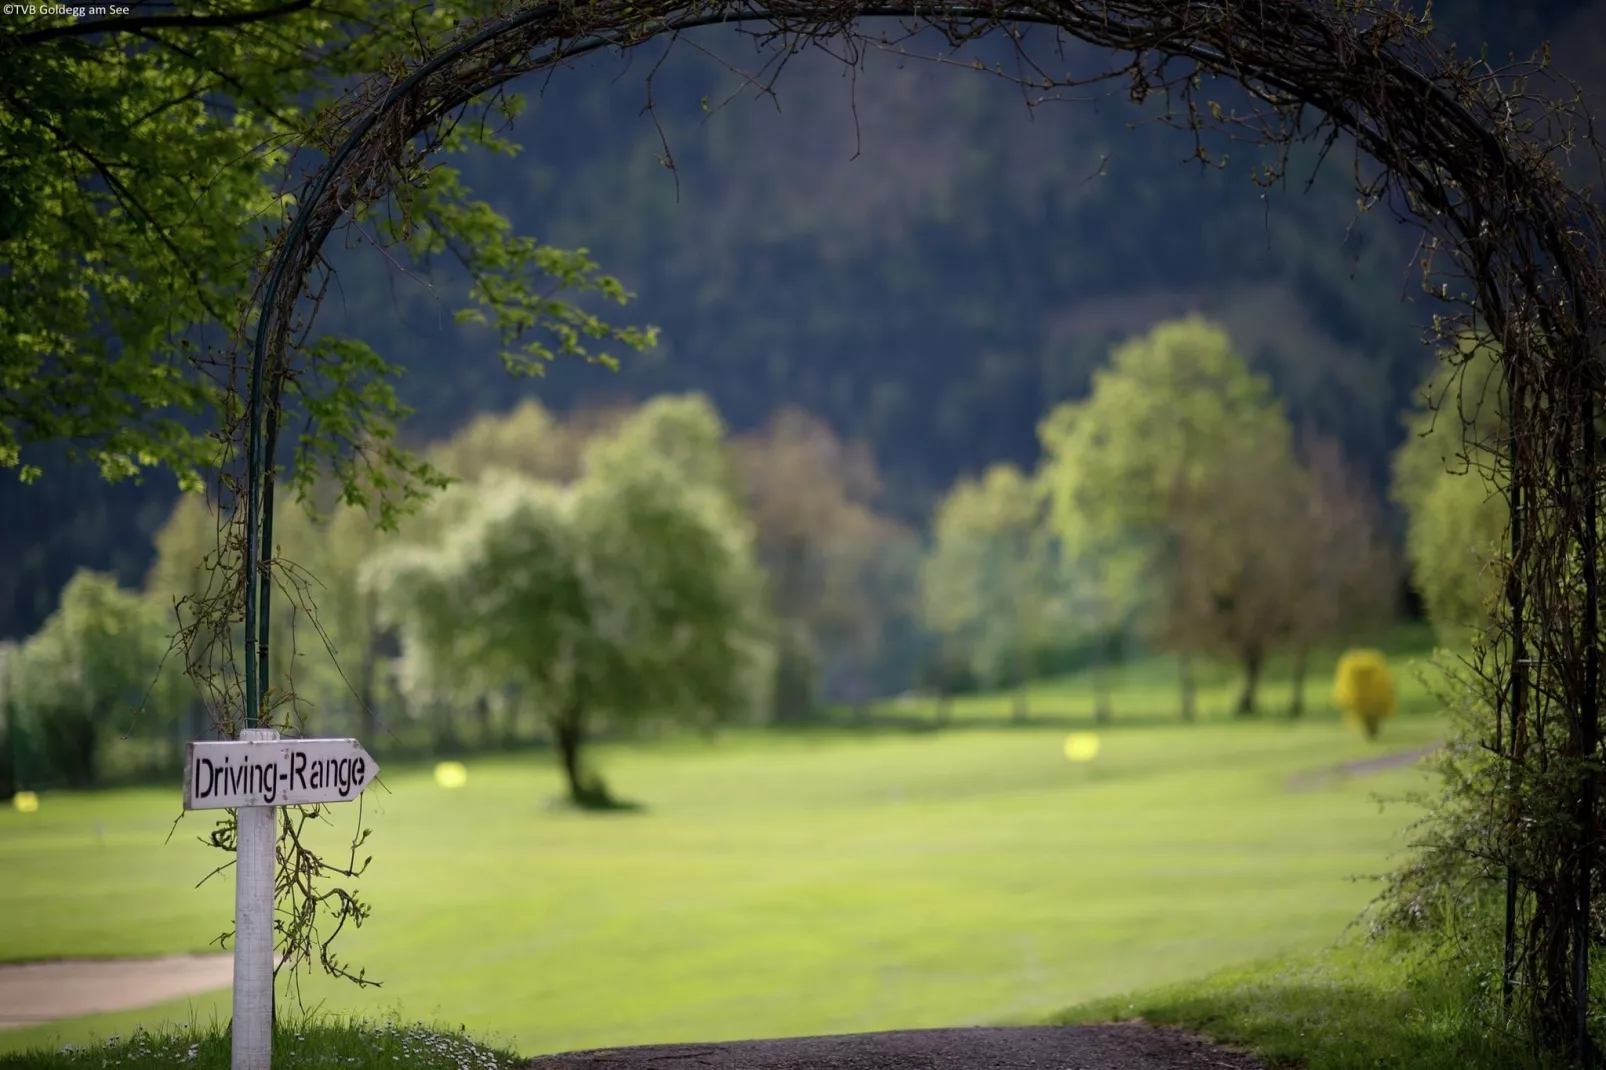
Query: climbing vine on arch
x=1472 y=154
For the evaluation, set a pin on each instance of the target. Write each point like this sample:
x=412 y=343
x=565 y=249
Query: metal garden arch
x=1462 y=150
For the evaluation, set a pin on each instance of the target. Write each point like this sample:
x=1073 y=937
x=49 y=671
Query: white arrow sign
x=280 y=772
x=254 y=775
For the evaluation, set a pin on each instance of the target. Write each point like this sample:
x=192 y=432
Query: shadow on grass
x=607 y=805
x=594 y=797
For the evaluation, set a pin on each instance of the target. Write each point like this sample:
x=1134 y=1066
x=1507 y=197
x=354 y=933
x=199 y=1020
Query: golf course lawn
x=772 y=885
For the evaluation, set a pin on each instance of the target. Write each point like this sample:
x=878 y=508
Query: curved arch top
x=1463 y=151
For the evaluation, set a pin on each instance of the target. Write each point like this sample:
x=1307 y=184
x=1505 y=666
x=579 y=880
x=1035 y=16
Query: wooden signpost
x=253 y=775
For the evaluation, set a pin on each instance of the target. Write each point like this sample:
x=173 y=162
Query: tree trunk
x=569 y=730
x=1189 y=709
x=1101 y=682
x=1296 y=705
x=482 y=708
x=1024 y=669
x=78 y=750
x=859 y=690
x=1253 y=659
x=795 y=678
x=9 y=748
x=443 y=727
x=367 y=717
x=187 y=727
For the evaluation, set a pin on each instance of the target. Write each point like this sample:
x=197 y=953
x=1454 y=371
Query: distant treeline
x=933 y=299
x=621 y=569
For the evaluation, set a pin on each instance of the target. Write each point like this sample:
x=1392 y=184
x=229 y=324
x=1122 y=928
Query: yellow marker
x=26 y=802
x=451 y=774
x=1081 y=746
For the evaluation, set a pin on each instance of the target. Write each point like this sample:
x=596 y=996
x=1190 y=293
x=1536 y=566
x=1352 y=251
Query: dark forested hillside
x=907 y=250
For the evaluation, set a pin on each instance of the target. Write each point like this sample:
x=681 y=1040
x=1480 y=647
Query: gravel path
x=36 y=992
x=1128 y=1046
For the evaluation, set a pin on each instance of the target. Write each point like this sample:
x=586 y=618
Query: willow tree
x=629 y=597
x=86 y=672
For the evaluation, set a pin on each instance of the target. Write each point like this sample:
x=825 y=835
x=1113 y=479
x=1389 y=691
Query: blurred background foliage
x=911 y=256
x=952 y=394
x=632 y=569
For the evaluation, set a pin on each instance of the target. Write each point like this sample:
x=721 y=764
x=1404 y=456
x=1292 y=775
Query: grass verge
x=354 y=1045
x=1361 y=1006
x=1378 y=1006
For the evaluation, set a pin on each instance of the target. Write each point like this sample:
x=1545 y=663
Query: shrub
x=1364 y=689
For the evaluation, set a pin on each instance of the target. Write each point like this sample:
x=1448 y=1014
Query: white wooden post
x=254 y=873
x=255 y=775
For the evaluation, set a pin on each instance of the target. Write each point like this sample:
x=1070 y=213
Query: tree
x=1240 y=570
x=1454 y=535
x=412 y=581
x=526 y=439
x=1153 y=431
x=1448 y=480
x=190 y=573
x=680 y=431
x=88 y=667
x=187 y=569
x=12 y=773
x=350 y=615
x=1273 y=553
x=1106 y=598
x=1350 y=574
x=819 y=540
x=326 y=639
x=154 y=148
x=899 y=646
x=630 y=596
x=992 y=583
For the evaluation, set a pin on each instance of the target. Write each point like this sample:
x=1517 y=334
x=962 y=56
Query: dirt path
x=1129 y=1046
x=1311 y=779
x=36 y=992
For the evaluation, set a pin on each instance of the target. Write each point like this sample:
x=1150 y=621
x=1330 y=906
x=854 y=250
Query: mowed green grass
x=774 y=885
